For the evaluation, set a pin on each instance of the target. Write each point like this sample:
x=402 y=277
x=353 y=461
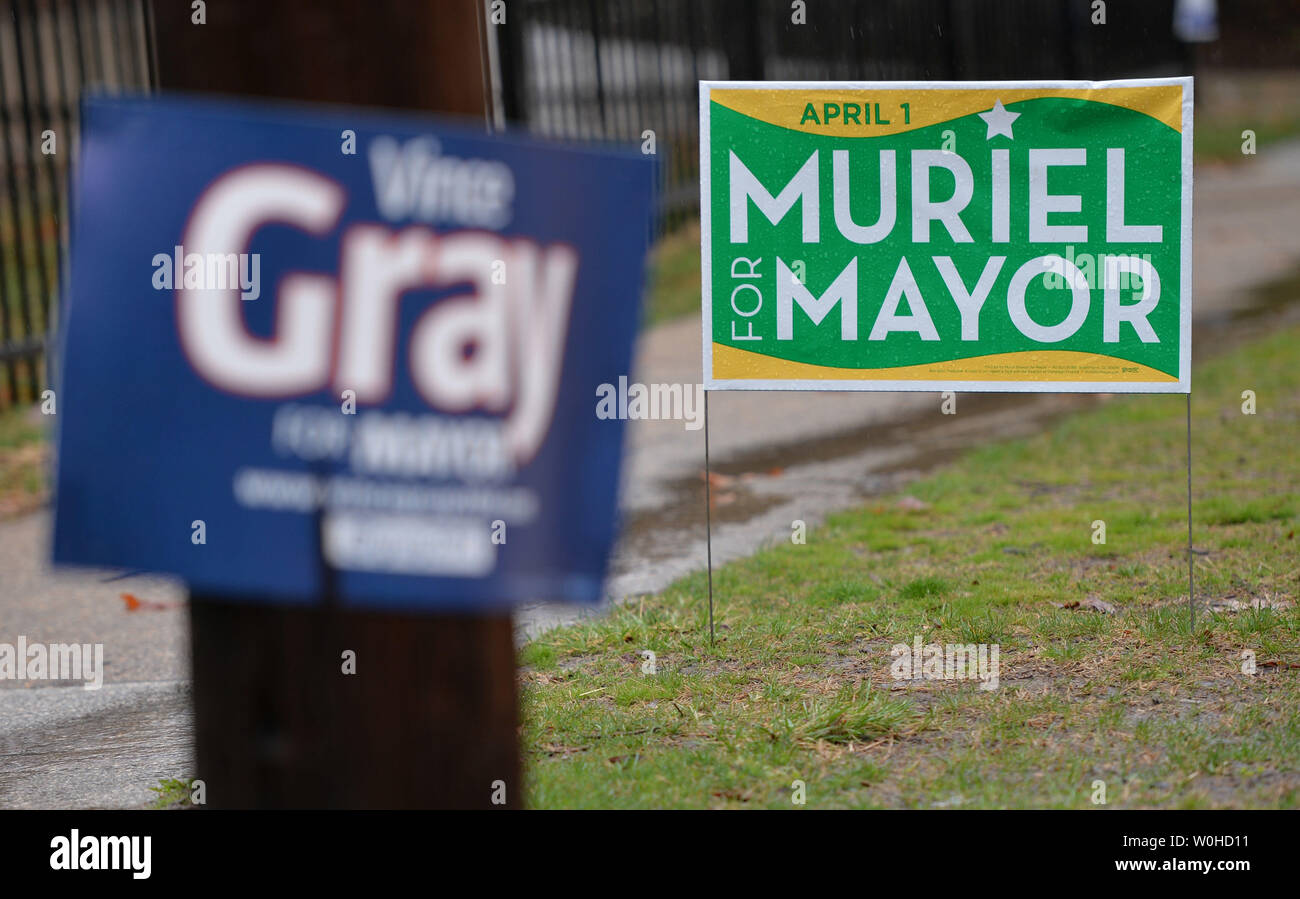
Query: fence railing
x=50 y=52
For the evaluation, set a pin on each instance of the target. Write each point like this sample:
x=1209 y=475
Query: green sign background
x=773 y=153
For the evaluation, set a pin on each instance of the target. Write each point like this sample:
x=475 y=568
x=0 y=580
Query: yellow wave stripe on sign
x=930 y=106
x=733 y=363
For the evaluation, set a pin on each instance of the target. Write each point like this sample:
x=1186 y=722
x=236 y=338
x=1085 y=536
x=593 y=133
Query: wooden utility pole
x=429 y=719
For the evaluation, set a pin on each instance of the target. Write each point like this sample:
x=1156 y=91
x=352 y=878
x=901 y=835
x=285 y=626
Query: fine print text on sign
x=1008 y=236
x=311 y=350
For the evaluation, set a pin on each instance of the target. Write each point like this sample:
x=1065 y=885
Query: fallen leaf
x=1092 y=604
x=716 y=479
x=732 y=793
x=135 y=604
x=1097 y=604
x=1258 y=602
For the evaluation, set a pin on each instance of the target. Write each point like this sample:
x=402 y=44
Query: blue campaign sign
x=310 y=352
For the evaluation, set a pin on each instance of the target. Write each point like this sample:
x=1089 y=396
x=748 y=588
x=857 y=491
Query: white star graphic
x=999 y=121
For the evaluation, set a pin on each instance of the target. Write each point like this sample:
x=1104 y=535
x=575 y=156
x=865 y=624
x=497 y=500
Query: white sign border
x=1182 y=385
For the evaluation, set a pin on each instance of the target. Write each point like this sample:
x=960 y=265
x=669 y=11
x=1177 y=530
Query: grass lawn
x=1101 y=678
x=23 y=455
x=1221 y=141
x=673 y=277
x=1227 y=103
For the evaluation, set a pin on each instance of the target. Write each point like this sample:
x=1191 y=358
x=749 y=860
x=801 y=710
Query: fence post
x=511 y=63
x=429 y=719
x=744 y=42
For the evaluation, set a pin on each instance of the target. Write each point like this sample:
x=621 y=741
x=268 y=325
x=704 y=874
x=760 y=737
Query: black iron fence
x=50 y=52
x=628 y=71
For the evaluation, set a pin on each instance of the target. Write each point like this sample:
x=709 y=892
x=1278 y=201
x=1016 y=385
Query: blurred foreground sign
x=292 y=334
x=1011 y=236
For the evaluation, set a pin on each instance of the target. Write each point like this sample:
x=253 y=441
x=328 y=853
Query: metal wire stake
x=1191 y=584
x=708 y=512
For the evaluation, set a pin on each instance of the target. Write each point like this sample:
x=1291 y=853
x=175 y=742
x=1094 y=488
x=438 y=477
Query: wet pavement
x=65 y=747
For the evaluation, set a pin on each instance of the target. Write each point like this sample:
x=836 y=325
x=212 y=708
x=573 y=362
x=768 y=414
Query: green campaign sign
x=1011 y=236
